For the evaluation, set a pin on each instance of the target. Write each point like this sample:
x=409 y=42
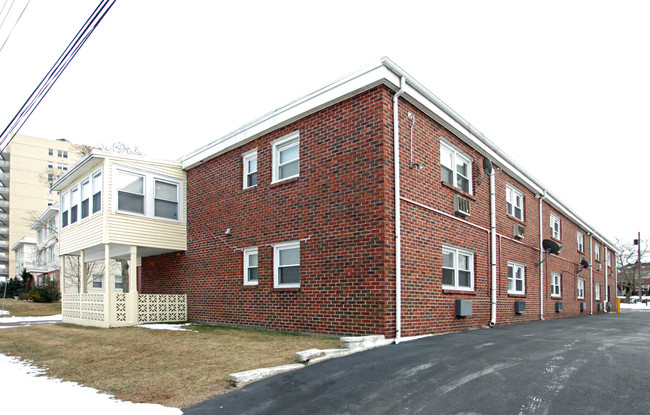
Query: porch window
x=166 y=200
x=97 y=192
x=85 y=199
x=130 y=194
x=74 y=204
x=65 y=204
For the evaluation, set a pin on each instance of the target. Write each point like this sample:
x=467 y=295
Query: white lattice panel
x=71 y=305
x=92 y=307
x=160 y=308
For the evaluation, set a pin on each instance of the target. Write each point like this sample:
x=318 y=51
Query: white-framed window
x=609 y=259
x=62 y=166
x=65 y=205
x=515 y=202
x=597 y=291
x=556 y=227
x=62 y=153
x=50 y=151
x=556 y=284
x=596 y=251
x=286 y=157
x=145 y=193
x=82 y=199
x=165 y=199
x=250 y=266
x=286 y=265
x=74 y=204
x=98 y=281
x=457 y=268
x=50 y=165
x=581 y=288
x=516 y=278
x=85 y=198
x=455 y=167
x=119 y=282
x=250 y=169
x=581 y=241
x=130 y=192
x=97 y=191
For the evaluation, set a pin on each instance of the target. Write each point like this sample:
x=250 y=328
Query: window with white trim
x=85 y=198
x=609 y=259
x=286 y=265
x=457 y=268
x=515 y=202
x=516 y=278
x=148 y=194
x=130 y=192
x=581 y=241
x=597 y=252
x=556 y=284
x=165 y=199
x=250 y=169
x=286 y=157
x=65 y=205
x=581 y=288
x=455 y=168
x=74 y=204
x=597 y=291
x=98 y=281
x=250 y=266
x=97 y=192
x=82 y=199
x=556 y=229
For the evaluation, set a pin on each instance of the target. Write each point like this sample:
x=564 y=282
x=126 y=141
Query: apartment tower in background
x=28 y=167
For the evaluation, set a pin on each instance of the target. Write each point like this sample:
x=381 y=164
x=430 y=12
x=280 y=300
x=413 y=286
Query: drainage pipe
x=591 y=275
x=493 y=248
x=398 y=228
x=541 y=258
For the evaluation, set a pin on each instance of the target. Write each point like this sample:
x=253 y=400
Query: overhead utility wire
x=14 y=26
x=4 y=19
x=53 y=74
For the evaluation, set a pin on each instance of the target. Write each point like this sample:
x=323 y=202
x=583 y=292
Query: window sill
x=249 y=188
x=457 y=190
x=456 y=292
x=285 y=181
x=517 y=295
x=290 y=289
x=556 y=297
x=515 y=219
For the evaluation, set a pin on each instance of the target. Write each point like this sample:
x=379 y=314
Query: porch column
x=107 y=285
x=62 y=274
x=83 y=271
x=133 y=284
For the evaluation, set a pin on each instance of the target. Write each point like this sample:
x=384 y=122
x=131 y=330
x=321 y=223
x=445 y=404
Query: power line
x=53 y=74
x=14 y=26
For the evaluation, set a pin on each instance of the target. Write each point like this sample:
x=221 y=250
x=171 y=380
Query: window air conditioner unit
x=520 y=307
x=558 y=306
x=461 y=206
x=583 y=306
x=582 y=258
x=599 y=306
x=463 y=308
x=597 y=267
x=519 y=231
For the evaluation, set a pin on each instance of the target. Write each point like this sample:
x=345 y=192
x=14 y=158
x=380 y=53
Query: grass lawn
x=172 y=368
x=19 y=308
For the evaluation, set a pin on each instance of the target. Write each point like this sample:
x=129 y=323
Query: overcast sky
x=560 y=86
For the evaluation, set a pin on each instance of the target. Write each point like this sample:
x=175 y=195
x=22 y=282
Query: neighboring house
x=28 y=165
x=47 y=248
x=631 y=271
x=26 y=255
x=116 y=209
x=303 y=221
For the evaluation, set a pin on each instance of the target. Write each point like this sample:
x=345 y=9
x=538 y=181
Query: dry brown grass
x=171 y=368
x=20 y=308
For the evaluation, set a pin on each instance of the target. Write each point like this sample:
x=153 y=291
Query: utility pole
x=637 y=242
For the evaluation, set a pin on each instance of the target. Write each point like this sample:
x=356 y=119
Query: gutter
x=541 y=258
x=493 y=249
x=398 y=227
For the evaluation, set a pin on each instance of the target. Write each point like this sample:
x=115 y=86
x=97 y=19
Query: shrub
x=35 y=296
x=48 y=292
x=14 y=287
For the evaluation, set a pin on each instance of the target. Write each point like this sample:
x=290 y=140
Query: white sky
x=560 y=86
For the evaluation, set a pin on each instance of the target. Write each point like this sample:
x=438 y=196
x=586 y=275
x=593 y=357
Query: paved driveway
x=586 y=365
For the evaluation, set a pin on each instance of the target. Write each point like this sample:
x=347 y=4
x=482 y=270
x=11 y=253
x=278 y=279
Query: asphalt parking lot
x=584 y=365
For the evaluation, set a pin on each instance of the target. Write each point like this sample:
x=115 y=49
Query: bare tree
x=627 y=264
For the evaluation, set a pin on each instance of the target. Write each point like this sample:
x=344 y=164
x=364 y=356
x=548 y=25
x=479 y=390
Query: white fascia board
x=338 y=91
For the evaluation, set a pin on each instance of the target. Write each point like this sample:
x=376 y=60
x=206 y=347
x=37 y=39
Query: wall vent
x=461 y=206
x=519 y=231
x=583 y=306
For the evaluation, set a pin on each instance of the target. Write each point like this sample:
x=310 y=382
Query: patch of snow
x=3 y=312
x=636 y=306
x=172 y=327
x=57 y=317
x=19 y=380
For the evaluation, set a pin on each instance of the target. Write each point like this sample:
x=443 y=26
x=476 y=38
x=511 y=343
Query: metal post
x=639 y=266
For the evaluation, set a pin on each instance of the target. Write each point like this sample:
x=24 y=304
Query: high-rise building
x=27 y=169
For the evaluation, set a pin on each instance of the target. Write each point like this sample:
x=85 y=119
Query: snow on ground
x=3 y=312
x=172 y=327
x=20 y=380
x=25 y=321
x=635 y=306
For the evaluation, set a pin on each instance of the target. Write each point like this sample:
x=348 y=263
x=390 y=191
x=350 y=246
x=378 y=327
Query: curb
x=349 y=345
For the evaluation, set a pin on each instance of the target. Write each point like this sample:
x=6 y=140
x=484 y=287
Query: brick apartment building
x=291 y=223
x=301 y=221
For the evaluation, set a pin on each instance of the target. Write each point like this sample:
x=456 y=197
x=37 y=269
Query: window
x=61 y=166
x=286 y=157
x=597 y=252
x=581 y=288
x=555 y=227
x=50 y=177
x=250 y=266
x=62 y=153
x=98 y=281
x=119 y=282
x=166 y=200
x=85 y=199
x=97 y=192
x=286 y=265
x=50 y=151
x=597 y=291
x=515 y=202
x=65 y=203
x=556 y=284
x=581 y=242
x=609 y=259
x=50 y=165
x=457 y=268
x=130 y=194
x=250 y=169
x=516 y=279
x=74 y=204
x=455 y=167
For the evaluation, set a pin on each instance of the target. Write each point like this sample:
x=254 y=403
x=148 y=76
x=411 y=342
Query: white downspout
x=603 y=296
x=398 y=227
x=591 y=274
x=493 y=254
x=541 y=258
